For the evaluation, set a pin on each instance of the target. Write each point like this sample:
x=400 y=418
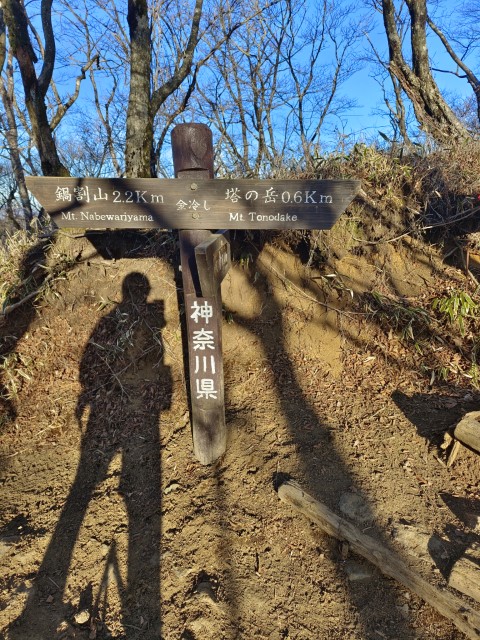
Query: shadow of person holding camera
x=125 y=387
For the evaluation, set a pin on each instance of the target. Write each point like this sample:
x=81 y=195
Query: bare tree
x=35 y=86
x=8 y=124
x=272 y=90
x=462 y=70
x=46 y=106
x=165 y=59
x=10 y=217
x=394 y=97
x=143 y=103
x=433 y=113
x=271 y=83
x=239 y=93
x=100 y=49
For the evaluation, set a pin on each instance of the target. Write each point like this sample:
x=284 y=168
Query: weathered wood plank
x=465 y=573
x=213 y=259
x=193 y=158
x=192 y=202
x=459 y=612
x=204 y=331
x=468 y=430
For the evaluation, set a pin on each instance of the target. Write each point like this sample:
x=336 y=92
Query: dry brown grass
x=455 y=171
x=14 y=282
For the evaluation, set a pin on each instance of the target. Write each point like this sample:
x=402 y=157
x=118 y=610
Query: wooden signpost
x=192 y=202
x=196 y=204
x=192 y=149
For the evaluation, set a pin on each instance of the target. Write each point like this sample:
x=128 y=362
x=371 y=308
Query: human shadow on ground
x=33 y=274
x=325 y=473
x=125 y=387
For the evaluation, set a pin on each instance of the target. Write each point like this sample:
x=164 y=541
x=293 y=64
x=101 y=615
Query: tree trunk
x=35 y=88
x=11 y=134
x=432 y=112
x=139 y=138
x=13 y=149
x=143 y=103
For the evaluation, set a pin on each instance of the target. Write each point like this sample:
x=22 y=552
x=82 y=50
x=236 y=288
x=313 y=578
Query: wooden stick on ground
x=449 y=606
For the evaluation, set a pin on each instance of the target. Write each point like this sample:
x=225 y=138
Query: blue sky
x=364 y=120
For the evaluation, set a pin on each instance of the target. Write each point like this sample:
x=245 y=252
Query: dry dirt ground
x=111 y=529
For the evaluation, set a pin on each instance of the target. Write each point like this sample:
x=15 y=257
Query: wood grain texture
x=193 y=161
x=465 y=573
x=193 y=202
x=468 y=430
x=448 y=605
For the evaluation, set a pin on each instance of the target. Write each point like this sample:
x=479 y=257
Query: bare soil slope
x=111 y=529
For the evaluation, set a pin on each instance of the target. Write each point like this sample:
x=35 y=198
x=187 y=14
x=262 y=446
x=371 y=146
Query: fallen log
x=465 y=574
x=468 y=430
x=466 y=433
x=461 y=614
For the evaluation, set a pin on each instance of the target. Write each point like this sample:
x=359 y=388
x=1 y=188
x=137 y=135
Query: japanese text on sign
x=204 y=351
x=148 y=203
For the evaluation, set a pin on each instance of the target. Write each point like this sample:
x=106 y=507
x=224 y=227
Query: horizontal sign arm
x=153 y=203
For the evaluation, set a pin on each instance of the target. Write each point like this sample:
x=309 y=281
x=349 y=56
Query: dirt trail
x=111 y=529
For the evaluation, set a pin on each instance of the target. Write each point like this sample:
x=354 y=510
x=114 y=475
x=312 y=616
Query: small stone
x=205 y=590
x=356 y=508
x=50 y=599
x=181 y=572
x=82 y=617
x=173 y=486
x=357 y=572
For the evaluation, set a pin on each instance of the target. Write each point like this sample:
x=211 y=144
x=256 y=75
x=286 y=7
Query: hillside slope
x=339 y=372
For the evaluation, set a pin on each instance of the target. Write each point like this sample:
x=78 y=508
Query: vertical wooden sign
x=192 y=151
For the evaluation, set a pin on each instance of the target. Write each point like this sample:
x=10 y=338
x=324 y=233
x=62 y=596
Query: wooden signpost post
x=196 y=204
x=192 y=149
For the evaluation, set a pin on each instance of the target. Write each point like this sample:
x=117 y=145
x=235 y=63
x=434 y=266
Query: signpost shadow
x=328 y=478
x=125 y=387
